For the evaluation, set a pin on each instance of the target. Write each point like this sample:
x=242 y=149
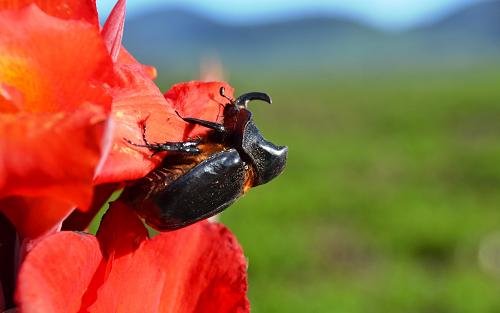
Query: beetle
x=205 y=176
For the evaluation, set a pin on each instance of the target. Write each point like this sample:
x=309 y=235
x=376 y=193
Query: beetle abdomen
x=205 y=190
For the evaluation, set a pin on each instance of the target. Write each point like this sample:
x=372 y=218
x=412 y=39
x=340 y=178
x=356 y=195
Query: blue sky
x=389 y=14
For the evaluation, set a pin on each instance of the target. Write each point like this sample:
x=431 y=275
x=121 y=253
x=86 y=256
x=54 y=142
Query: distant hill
x=473 y=32
x=176 y=40
x=481 y=21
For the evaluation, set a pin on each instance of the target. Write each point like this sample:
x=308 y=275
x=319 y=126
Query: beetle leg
x=190 y=147
x=212 y=125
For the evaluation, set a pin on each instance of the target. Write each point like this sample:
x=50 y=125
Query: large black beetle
x=204 y=177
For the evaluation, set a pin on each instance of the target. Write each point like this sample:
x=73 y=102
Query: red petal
x=136 y=100
x=55 y=64
x=112 y=31
x=124 y=57
x=121 y=231
x=35 y=216
x=11 y=99
x=56 y=273
x=48 y=164
x=55 y=75
x=65 y=9
x=200 y=100
x=79 y=220
x=140 y=101
x=211 y=274
x=197 y=269
x=43 y=154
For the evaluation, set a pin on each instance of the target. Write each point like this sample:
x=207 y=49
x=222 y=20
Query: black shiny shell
x=268 y=159
x=205 y=190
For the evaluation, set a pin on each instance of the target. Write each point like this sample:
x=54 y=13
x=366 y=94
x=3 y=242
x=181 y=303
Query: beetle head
x=268 y=159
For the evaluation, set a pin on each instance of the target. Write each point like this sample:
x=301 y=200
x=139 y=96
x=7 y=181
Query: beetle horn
x=243 y=100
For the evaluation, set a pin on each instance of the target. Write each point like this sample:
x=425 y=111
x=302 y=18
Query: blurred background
x=391 y=111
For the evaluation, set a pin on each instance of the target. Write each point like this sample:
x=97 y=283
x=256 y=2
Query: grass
x=392 y=185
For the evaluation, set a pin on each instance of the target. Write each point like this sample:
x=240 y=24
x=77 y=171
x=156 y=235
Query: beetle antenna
x=222 y=92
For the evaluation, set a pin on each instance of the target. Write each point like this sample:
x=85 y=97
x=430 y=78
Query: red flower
x=197 y=269
x=68 y=9
x=69 y=95
x=55 y=104
x=58 y=71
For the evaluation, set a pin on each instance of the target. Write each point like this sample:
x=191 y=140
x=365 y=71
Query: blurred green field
x=391 y=191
